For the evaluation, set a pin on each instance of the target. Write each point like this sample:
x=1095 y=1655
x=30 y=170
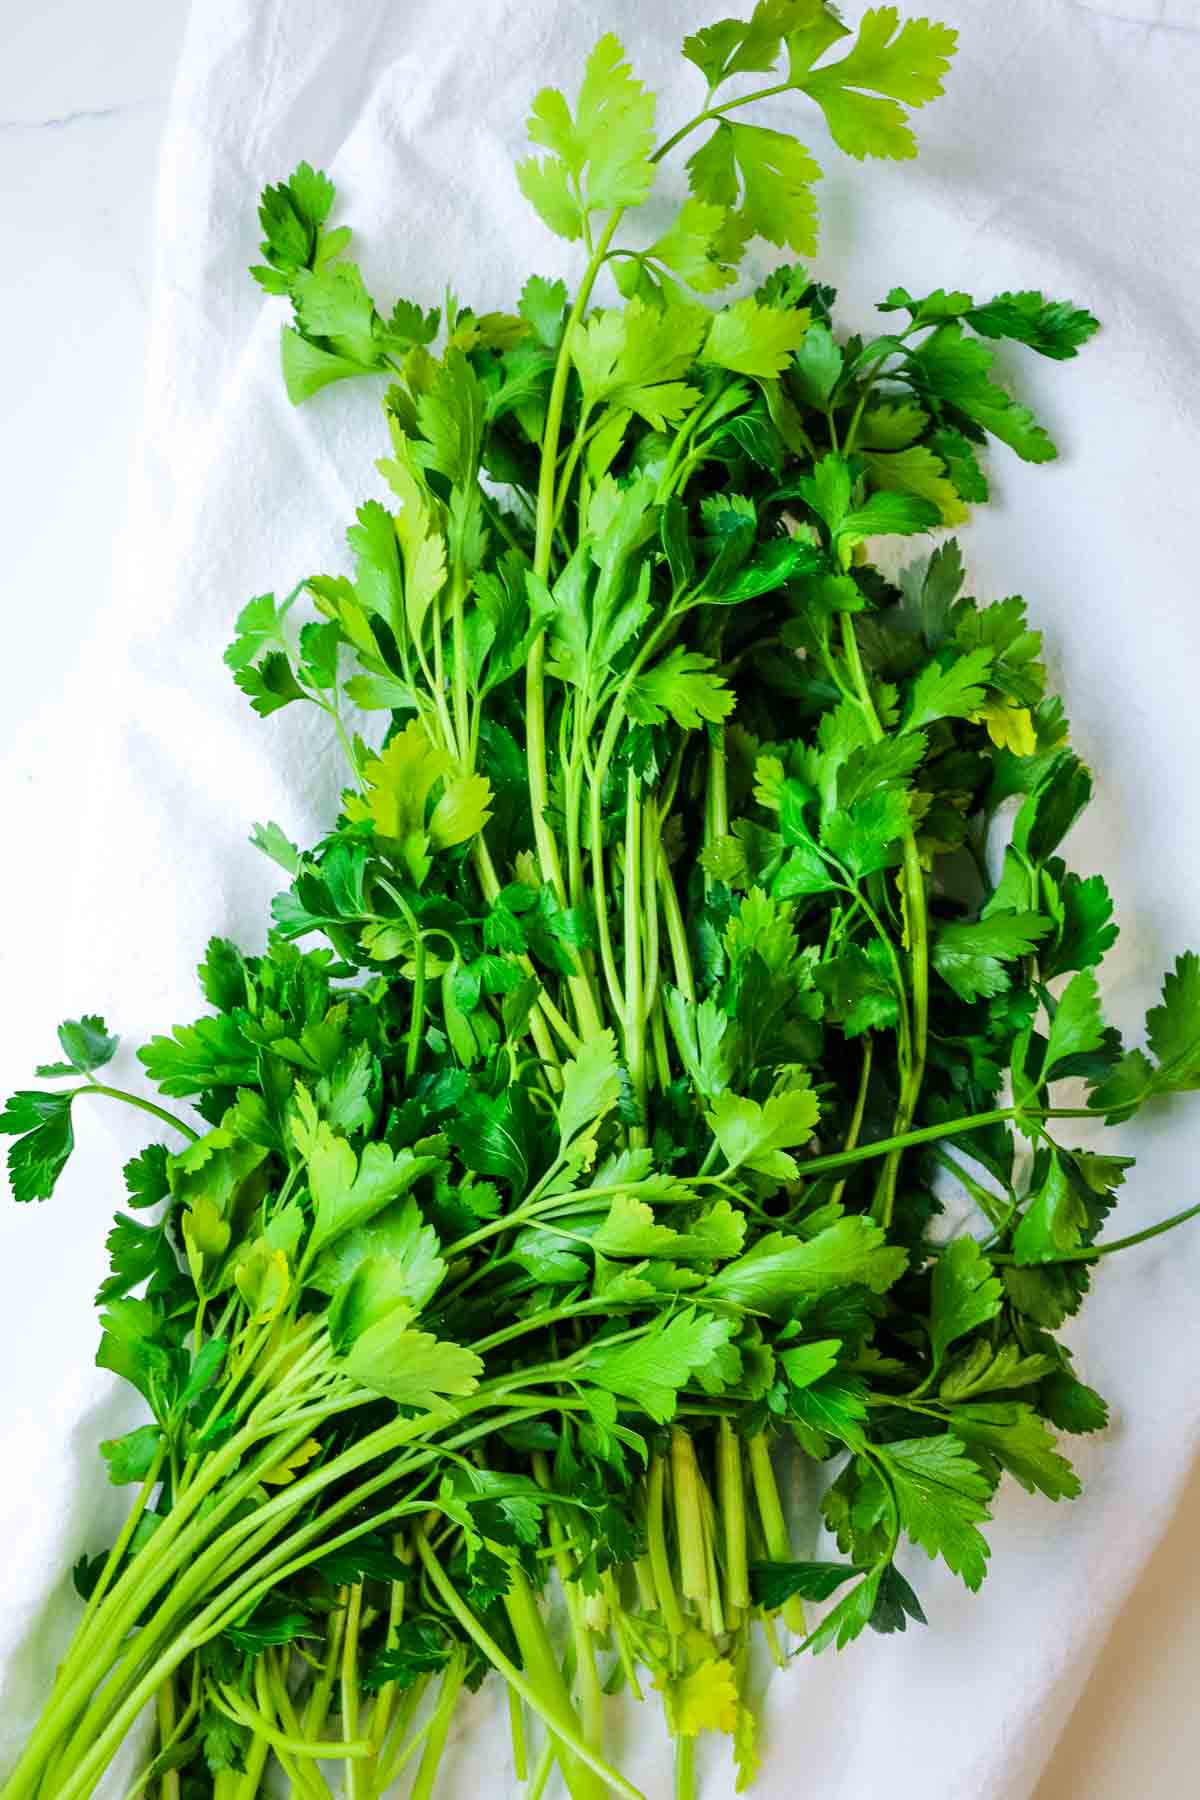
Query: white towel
x=1064 y=157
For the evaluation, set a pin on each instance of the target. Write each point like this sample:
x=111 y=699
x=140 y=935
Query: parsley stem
x=272 y=1690
x=284 y=1558
x=542 y=1772
x=903 y=1019
x=717 y=112
x=165 y=1719
x=732 y=1494
x=539 y=1322
x=232 y=1704
x=349 y=1687
x=656 y=1548
x=988 y=1203
x=412 y=1056
x=516 y=1732
x=635 y=1012
x=856 y=1117
x=599 y=772
x=462 y=704
x=685 y=1767
x=143 y=1105
x=587 y=1675
x=1092 y=1252
x=552 y=1703
x=587 y=1010
x=689 y=1525
x=497 y=517
x=774 y=1525
x=381 y=1716
x=489 y=882
x=718 y=786
x=435 y=1742
x=929 y=1134
x=651 y=828
x=584 y=432
x=394 y=1752
x=917 y=931
x=681 y=959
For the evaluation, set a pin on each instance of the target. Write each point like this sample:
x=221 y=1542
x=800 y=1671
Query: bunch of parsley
x=663 y=962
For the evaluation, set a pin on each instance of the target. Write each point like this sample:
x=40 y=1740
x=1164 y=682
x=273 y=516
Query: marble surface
x=83 y=96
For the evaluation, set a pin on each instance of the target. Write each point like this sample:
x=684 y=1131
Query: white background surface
x=82 y=102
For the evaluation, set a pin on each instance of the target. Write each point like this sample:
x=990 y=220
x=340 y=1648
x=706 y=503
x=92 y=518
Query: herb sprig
x=580 y=1136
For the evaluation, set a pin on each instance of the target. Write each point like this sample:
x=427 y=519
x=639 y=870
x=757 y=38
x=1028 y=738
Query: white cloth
x=1064 y=157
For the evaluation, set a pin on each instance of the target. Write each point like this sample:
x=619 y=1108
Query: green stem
x=774 y=1525
x=917 y=918
x=608 y=960
x=543 y=1771
x=656 y=1547
x=917 y=921
x=718 y=786
x=573 y=781
x=493 y=512
x=988 y=1203
x=489 y=882
x=435 y=1742
x=591 y=1697
x=349 y=1687
x=582 y=435
x=552 y=1704
x=716 y=112
x=381 y=1716
x=256 y=1763
x=927 y=1134
x=731 y=1494
x=689 y=1524
x=685 y=1768
x=904 y=1030
x=146 y=1106
x=111 y=1621
x=1092 y=1252
x=856 y=1118
x=258 y=1542
x=394 y=1756
x=462 y=703
x=271 y=1688
x=231 y=1702
x=681 y=956
x=651 y=829
x=535 y=696
x=635 y=1015
x=516 y=1732
x=165 y=1715
x=412 y=1056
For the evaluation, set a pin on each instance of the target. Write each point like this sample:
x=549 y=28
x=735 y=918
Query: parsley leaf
x=601 y=152
x=86 y=1044
x=1009 y=1435
x=971 y=958
x=860 y=94
x=754 y=1136
x=751 y=339
x=652 y=1370
x=41 y=1124
x=777 y=1269
x=965 y=1295
x=942 y=1495
x=1173 y=1028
